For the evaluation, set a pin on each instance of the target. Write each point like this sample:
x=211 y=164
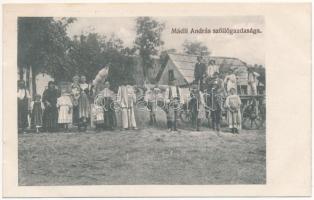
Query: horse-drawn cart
x=253 y=111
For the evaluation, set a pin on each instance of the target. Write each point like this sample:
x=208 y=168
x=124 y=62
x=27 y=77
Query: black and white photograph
x=144 y=100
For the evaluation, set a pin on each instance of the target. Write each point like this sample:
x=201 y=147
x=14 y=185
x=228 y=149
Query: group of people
x=56 y=108
x=213 y=94
x=209 y=95
x=83 y=105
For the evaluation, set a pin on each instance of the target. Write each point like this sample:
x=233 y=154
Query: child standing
x=64 y=105
x=98 y=113
x=173 y=100
x=151 y=97
x=233 y=104
x=37 y=108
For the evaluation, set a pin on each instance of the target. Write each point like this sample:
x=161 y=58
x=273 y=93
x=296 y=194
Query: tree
x=195 y=48
x=42 y=44
x=86 y=55
x=148 y=40
x=90 y=52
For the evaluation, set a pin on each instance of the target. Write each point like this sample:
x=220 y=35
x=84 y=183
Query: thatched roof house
x=182 y=66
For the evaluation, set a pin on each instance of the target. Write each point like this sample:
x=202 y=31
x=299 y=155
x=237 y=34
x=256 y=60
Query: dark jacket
x=199 y=71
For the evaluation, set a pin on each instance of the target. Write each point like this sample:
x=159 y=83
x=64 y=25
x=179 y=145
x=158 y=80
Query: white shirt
x=21 y=94
x=84 y=86
x=211 y=69
x=107 y=92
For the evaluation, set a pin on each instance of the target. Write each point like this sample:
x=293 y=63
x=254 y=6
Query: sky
x=247 y=47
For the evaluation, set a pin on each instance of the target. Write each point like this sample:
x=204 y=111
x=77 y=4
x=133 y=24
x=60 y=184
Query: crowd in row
x=82 y=106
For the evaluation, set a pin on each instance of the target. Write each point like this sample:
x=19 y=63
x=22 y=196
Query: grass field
x=146 y=156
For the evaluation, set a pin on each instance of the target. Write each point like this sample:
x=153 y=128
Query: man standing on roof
x=199 y=72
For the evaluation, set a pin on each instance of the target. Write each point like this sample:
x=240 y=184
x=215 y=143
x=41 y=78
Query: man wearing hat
x=199 y=72
x=252 y=82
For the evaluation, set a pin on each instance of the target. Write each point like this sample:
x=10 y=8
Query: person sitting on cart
x=217 y=82
x=252 y=82
x=231 y=81
x=197 y=107
x=200 y=72
x=212 y=68
x=233 y=105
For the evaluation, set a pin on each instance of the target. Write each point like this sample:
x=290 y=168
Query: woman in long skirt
x=109 y=113
x=37 y=108
x=23 y=99
x=50 y=115
x=84 y=105
x=97 y=113
x=75 y=93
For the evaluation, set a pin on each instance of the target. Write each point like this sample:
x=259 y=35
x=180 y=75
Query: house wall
x=164 y=79
x=42 y=80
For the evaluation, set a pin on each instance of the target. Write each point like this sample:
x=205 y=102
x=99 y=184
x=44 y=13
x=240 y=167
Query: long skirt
x=97 y=114
x=109 y=119
x=234 y=119
x=128 y=118
x=109 y=114
x=75 y=115
x=22 y=113
x=65 y=117
x=37 y=116
x=50 y=118
x=84 y=106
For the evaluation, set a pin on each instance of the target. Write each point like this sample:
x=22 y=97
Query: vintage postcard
x=151 y=100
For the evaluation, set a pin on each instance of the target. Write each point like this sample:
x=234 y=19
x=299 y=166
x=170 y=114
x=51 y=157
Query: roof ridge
x=223 y=57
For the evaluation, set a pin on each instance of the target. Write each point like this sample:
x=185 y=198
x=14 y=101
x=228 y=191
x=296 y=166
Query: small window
x=171 y=75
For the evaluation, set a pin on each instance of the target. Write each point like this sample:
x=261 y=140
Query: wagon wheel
x=251 y=118
x=262 y=113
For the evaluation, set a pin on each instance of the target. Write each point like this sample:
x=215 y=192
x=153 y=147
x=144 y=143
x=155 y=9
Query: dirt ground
x=146 y=156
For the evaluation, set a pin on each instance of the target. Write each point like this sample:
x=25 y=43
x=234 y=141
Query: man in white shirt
x=126 y=97
x=252 y=82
